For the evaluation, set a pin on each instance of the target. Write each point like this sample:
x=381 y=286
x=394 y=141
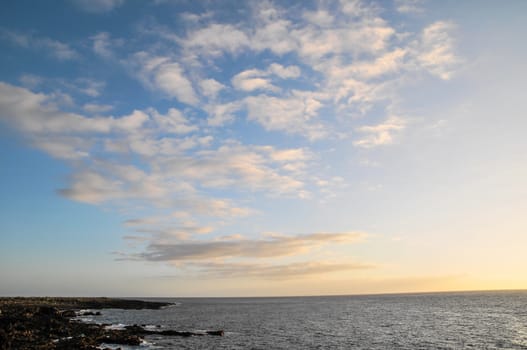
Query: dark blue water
x=476 y=320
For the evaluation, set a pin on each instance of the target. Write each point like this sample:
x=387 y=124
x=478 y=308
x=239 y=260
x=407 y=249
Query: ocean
x=468 y=320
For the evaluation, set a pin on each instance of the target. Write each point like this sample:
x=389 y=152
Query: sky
x=262 y=148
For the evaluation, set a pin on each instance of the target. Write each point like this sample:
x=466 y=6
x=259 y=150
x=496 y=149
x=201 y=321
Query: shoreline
x=48 y=323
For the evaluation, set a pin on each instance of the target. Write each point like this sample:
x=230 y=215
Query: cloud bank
x=192 y=160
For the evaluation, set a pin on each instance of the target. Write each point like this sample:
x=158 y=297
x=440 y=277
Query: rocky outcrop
x=46 y=323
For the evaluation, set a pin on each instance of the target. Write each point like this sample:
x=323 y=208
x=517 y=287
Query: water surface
x=473 y=320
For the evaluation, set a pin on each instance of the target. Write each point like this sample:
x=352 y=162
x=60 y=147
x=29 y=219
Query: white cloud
x=96 y=108
x=389 y=62
x=369 y=37
x=234 y=166
x=409 y=6
x=107 y=181
x=173 y=122
x=85 y=86
x=104 y=45
x=211 y=87
x=37 y=114
x=214 y=40
x=292 y=114
x=380 y=134
x=293 y=154
x=350 y=62
x=435 y=50
x=60 y=50
x=321 y=18
x=170 y=78
x=251 y=80
x=273 y=247
x=64 y=147
x=55 y=48
x=275 y=271
x=170 y=168
x=284 y=72
x=256 y=79
x=31 y=81
x=98 y=6
x=221 y=114
x=274 y=36
x=166 y=75
x=321 y=73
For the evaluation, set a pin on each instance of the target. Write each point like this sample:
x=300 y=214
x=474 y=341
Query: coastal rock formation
x=46 y=323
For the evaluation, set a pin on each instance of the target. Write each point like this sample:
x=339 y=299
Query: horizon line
x=279 y=296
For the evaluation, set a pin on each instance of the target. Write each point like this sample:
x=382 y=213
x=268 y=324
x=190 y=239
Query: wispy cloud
x=180 y=166
x=409 y=6
x=256 y=79
x=166 y=75
x=292 y=114
x=435 y=49
x=380 y=134
x=104 y=45
x=304 y=77
x=96 y=108
x=98 y=6
x=277 y=246
x=348 y=60
x=304 y=269
x=54 y=48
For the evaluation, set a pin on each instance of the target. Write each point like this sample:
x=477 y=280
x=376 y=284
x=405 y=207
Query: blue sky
x=218 y=148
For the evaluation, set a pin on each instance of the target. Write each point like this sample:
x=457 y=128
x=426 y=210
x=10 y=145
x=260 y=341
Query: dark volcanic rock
x=46 y=323
x=120 y=337
x=68 y=313
x=90 y=313
x=218 y=333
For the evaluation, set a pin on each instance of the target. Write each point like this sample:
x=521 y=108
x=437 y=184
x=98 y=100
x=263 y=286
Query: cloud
x=211 y=87
x=55 y=48
x=86 y=86
x=273 y=247
x=303 y=269
x=221 y=114
x=30 y=81
x=255 y=79
x=104 y=45
x=96 y=108
x=354 y=61
x=228 y=86
x=284 y=72
x=214 y=40
x=436 y=51
x=320 y=18
x=175 y=232
x=389 y=62
x=164 y=74
x=380 y=134
x=409 y=6
x=98 y=6
x=251 y=80
x=172 y=122
x=293 y=114
x=37 y=114
x=64 y=147
x=235 y=165
x=175 y=164
x=345 y=59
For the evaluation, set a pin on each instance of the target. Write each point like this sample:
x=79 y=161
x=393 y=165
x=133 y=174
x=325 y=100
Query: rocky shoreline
x=47 y=323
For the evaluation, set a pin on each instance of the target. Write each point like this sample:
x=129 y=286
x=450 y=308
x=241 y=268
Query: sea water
x=470 y=320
